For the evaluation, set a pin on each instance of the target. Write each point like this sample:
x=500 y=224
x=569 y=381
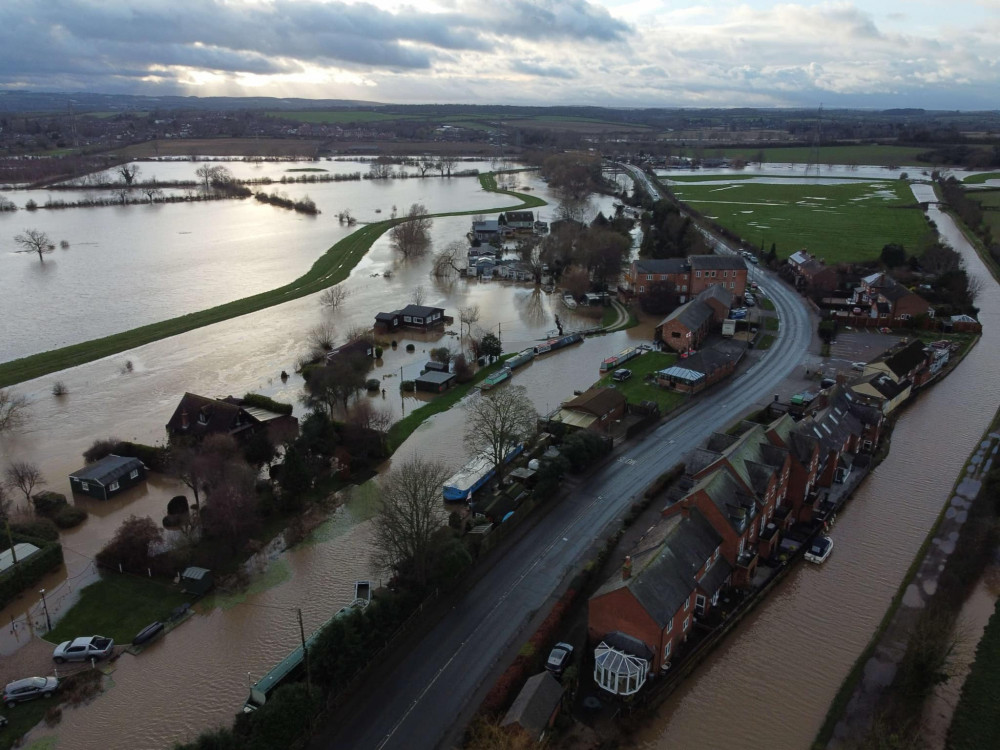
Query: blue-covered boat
x=472 y=476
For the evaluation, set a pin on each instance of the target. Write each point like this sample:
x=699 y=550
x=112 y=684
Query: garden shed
x=435 y=382
x=106 y=478
x=197 y=581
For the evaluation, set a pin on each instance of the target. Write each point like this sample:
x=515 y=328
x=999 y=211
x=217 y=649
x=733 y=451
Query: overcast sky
x=936 y=54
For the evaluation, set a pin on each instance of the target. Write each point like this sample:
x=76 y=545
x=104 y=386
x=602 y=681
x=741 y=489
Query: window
x=697 y=274
x=666 y=650
x=687 y=606
x=713 y=274
x=708 y=563
x=84 y=486
x=134 y=474
x=670 y=624
x=684 y=287
x=699 y=604
x=687 y=623
x=642 y=289
x=725 y=274
x=113 y=487
x=202 y=418
x=663 y=277
x=649 y=277
x=732 y=284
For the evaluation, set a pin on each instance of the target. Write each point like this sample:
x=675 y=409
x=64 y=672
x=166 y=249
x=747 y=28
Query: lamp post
x=45 y=606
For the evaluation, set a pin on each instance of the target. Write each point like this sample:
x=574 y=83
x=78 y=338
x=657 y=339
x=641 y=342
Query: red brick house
x=804 y=453
x=687 y=327
x=702 y=369
x=198 y=416
x=639 y=619
x=882 y=297
x=644 y=272
x=811 y=273
x=690 y=275
x=595 y=409
x=728 y=271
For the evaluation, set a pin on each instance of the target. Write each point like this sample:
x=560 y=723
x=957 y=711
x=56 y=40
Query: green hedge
x=27 y=573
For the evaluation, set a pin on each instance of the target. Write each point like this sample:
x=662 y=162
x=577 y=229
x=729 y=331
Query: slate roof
x=799 y=257
x=717 y=262
x=715 y=576
x=596 y=401
x=435 y=377
x=662 y=265
x=206 y=416
x=108 y=469
x=692 y=315
x=707 y=361
x=663 y=575
x=519 y=216
x=535 y=704
x=420 y=311
x=727 y=495
x=910 y=356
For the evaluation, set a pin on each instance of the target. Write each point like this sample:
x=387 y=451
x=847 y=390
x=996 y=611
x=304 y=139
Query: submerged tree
x=34 y=241
x=411 y=236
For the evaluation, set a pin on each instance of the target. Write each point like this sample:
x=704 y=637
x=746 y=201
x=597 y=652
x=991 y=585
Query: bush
x=411 y=348
x=129 y=548
x=156 y=458
x=59 y=388
x=373 y=384
x=463 y=371
x=279 y=722
x=69 y=516
x=583 y=448
x=378 y=352
x=178 y=505
x=47 y=503
x=25 y=574
x=441 y=354
x=38 y=528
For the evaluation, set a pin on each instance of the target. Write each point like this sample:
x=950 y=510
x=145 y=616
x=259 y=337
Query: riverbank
x=331 y=268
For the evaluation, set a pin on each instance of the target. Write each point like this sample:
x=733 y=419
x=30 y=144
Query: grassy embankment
x=867 y=154
x=331 y=268
x=100 y=610
x=980 y=178
x=976 y=722
x=839 y=223
x=636 y=390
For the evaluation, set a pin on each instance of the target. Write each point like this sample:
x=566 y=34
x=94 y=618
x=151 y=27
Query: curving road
x=429 y=696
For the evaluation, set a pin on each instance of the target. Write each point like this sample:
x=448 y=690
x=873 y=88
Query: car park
x=621 y=375
x=749 y=300
x=83 y=649
x=560 y=657
x=28 y=689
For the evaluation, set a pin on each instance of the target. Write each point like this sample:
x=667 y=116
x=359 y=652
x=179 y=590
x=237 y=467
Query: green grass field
x=751 y=175
x=636 y=390
x=117 y=606
x=990 y=203
x=839 y=223
x=860 y=154
x=338 y=117
x=979 y=179
x=976 y=722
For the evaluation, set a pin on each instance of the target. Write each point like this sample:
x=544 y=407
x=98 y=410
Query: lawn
x=637 y=390
x=839 y=223
x=976 y=723
x=118 y=606
x=771 y=324
x=861 y=154
x=765 y=341
x=765 y=304
x=23 y=718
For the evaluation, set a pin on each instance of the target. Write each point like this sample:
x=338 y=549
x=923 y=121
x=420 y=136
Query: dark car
x=560 y=657
x=621 y=375
x=28 y=689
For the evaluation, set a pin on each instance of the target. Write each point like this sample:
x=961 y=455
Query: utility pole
x=45 y=606
x=305 y=652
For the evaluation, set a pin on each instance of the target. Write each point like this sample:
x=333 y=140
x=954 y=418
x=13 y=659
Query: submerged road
x=430 y=689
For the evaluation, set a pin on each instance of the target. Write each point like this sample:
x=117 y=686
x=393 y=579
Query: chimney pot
x=627 y=568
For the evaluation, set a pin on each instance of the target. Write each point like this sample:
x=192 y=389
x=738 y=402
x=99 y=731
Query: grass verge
x=331 y=268
x=976 y=723
x=765 y=304
x=839 y=223
x=765 y=341
x=772 y=324
x=117 y=606
x=980 y=178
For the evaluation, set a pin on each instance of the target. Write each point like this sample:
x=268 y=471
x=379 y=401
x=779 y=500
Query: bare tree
x=468 y=316
x=425 y=166
x=321 y=338
x=128 y=173
x=412 y=235
x=35 y=241
x=336 y=383
x=23 y=476
x=449 y=261
x=188 y=465
x=13 y=410
x=410 y=513
x=334 y=296
x=231 y=513
x=576 y=280
x=448 y=164
x=497 y=422
x=418 y=296
x=370 y=417
x=974 y=287
x=6 y=501
x=152 y=193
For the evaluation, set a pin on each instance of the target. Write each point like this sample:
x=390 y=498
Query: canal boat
x=567 y=340
x=819 y=550
x=289 y=668
x=522 y=358
x=613 y=363
x=496 y=379
x=472 y=476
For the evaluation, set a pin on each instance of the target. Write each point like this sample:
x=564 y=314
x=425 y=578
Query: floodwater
x=179 y=258
x=196 y=678
x=771 y=682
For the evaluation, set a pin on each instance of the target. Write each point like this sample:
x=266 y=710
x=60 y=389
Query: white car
x=83 y=649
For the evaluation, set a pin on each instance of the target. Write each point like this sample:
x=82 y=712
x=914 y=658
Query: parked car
x=560 y=657
x=622 y=375
x=83 y=649
x=859 y=366
x=749 y=300
x=28 y=689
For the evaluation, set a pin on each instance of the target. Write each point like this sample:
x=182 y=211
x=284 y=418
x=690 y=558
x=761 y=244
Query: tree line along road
x=430 y=694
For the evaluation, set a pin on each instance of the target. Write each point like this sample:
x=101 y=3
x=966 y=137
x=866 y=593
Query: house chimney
x=686 y=508
x=627 y=568
x=184 y=419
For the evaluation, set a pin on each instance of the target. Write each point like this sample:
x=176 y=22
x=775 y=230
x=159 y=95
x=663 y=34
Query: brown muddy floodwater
x=771 y=682
x=196 y=678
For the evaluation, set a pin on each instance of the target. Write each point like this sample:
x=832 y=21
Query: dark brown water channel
x=771 y=682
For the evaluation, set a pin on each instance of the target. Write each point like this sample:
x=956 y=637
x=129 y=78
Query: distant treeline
x=303 y=206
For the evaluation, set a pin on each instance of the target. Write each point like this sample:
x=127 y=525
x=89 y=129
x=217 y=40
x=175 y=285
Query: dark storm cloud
x=87 y=40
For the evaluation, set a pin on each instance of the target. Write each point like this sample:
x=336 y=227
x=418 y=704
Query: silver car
x=83 y=649
x=28 y=689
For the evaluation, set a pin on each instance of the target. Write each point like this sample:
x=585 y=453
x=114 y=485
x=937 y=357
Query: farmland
x=989 y=201
x=869 y=154
x=839 y=223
